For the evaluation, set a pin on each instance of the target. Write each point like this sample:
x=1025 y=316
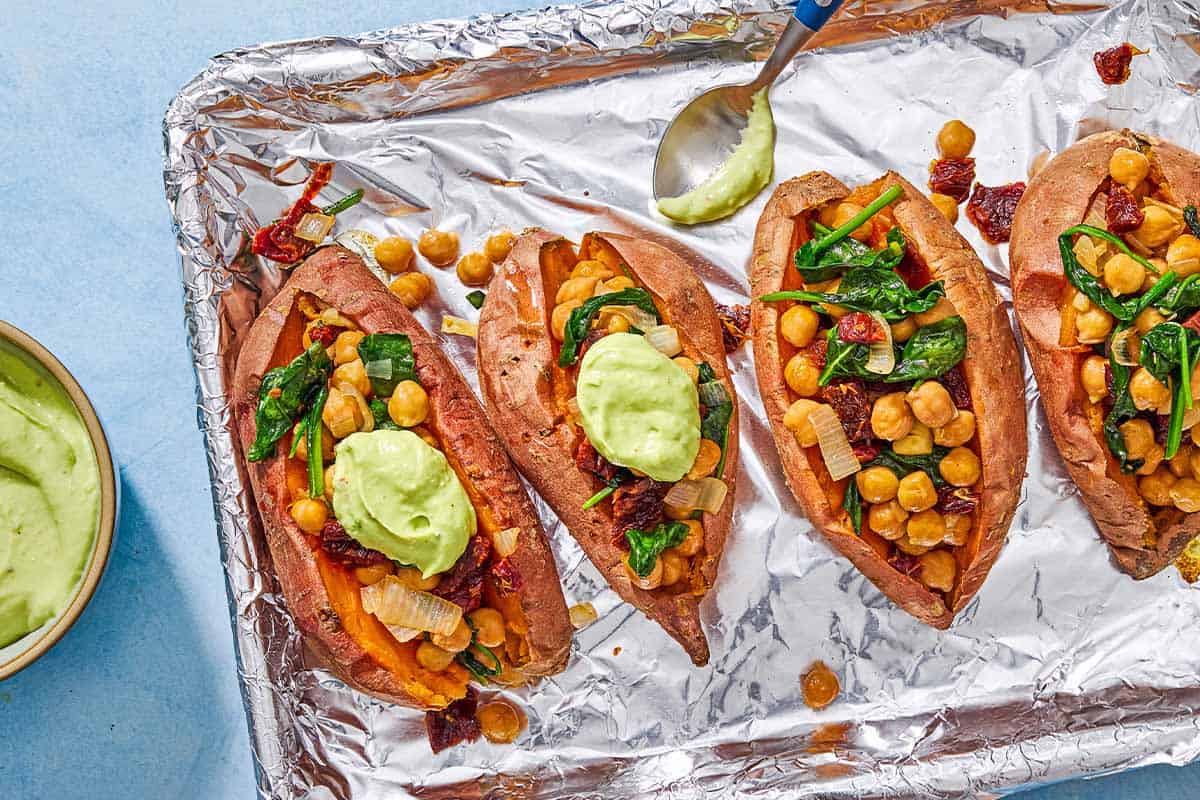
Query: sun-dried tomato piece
x=865 y=451
x=1121 y=212
x=815 y=352
x=952 y=176
x=343 y=549
x=956 y=500
x=588 y=460
x=955 y=381
x=861 y=328
x=637 y=505
x=1192 y=322
x=463 y=584
x=278 y=241
x=735 y=322
x=849 y=401
x=453 y=724
x=1113 y=64
x=505 y=576
x=325 y=334
x=905 y=564
x=991 y=208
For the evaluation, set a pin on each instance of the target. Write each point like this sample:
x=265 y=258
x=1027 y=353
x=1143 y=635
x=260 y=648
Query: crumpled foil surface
x=1060 y=667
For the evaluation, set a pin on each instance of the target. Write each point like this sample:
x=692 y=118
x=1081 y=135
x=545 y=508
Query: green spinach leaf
x=871 y=289
x=1122 y=411
x=383 y=420
x=932 y=351
x=313 y=433
x=476 y=298
x=852 y=502
x=284 y=393
x=1184 y=296
x=715 y=425
x=389 y=360
x=846 y=254
x=1094 y=290
x=644 y=546
x=580 y=321
x=844 y=359
x=1169 y=351
x=1192 y=220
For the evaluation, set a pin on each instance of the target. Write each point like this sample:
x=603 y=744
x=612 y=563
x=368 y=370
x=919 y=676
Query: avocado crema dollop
x=394 y=493
x=638 y=408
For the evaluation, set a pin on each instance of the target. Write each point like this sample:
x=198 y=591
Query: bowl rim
x=102 y=546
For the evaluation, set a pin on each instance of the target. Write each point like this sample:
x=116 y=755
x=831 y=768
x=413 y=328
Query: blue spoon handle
x=815 y=13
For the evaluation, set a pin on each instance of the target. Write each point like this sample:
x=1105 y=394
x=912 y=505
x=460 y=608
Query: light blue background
x=140 y=699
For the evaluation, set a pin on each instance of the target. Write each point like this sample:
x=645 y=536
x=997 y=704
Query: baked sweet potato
x=528 y=394
x=924 y=524
x=1124 y=431
x=322 y=574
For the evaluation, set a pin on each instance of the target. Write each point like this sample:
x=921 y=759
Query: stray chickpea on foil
x=1061 y=666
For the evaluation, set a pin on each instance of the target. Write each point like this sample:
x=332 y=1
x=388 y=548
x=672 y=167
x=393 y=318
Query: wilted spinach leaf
x=872 y=289
x=389 y=360
x=644 y=546
x=932 y=351
x=1122 y=411
x=852 y=502
x=719 y=405
x=580 y=321
x=1090 y=285
x=284 y=393
x=1192 y=220
x=383 y=420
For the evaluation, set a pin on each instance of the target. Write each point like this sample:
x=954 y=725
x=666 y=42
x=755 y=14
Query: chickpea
x=1128 y=167
x=877 y=484
x=1183 y=256
x=373 y=573
x=354 y=373
x=958 y=528
x=440 y=248
x=826 y=214
x=345 y=347
x=1093 y=375
x=409 y=404
x=591 y=269
x=327 y=442
x=706 y=460
x=560 y=316
x=906 y=545
x=674 y=568
x=1147 y=320
x=1156 y=488
x=412 y=288
x=960 y=467
x=887 y=519
x=576 y=289
x=412 y=578
x=1123 y=275
x=688 y=366
x=903 y=330
x=846 y=212
x=330 y=475
x=1194 y=464
x=1093 y=326
x=619 y=283
x=957 y=431
x=694 y=541
x=342 y=414
x=1138 y=436
x=916 y=492
x=1152 y=459
x=891 y=418
x=618 y=324
x=955 y=139
x=499 y=245
x=938 y=570
x=798 y=325
x=433 y=658
x=918 y=442
x=499 y=722
x=651 y=581
x=942 y=309
x=455 y=642
x=1181 y=464
x=474 y=269
x=394 y=254
x=947 y=205
x=931 y=404
x=1147 y=392
x=1158 y=228
x=1185 y=494
x=489 y=626
x=802 y=375
x=926 y=528
x=796 y=420
x=309 y=515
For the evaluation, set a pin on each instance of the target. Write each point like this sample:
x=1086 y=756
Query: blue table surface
x=140 y=699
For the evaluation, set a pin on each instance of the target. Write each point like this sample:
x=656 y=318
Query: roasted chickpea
x=706 y=461
x=887 y=519
x=354 y=373
x=674 y=567
x=944 y=308
x=906 y=545
x=958 y=528
x=372 y=574
x=903 y=330
x=1093 y=376
x=694 y=541
x=327 y=443
x=1158 y=228
x=926 y=528
x=1183 y=256
x=1147 y=320
x=918 y=442
x=891 y=418
x=916 y=492
x=560 y=316
x=411 y=288
x=1128 y=167
x=618 y=324
x=651 y=581
x=802 y=375
x=1147 y=392
x=938 y=570
x=1152 y=459
x=1181 y=464
x=1156 y=488
x=474 y=269
x=591 y=269
x=499 y=245
x=310 y=515
x=955 y=139
x=825 y=214
x=345 y=347
x=1193 y=464
x=945 y=204
x=394 y=254
x=960 y=467
x=931 y=403
x=489 y=626
x=1123 y=275
x=798 y=325
x=454 y=642
x=576 y=289
x=846 y=212
x=409 y=404
x=1093 y=326
x=796 y=420
x=412 y=578
x=1185 y=494
x=1138 y=436
x=618 y=283
x=499 y=722
x=434 y=658
x=440 y=248
x=957 y=431
x=342 y=414
x=330 y=475
x=877 y=484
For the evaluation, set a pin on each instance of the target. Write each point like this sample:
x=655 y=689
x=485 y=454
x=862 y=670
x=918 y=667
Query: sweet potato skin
x=998 y=394
x=310 y=583
x=516 y=368
x=1142 y=542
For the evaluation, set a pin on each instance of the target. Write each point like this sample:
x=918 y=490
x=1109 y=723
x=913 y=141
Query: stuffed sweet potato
x=892 y=385
x=406 y=547
x=1106 y=286
x=603 y=370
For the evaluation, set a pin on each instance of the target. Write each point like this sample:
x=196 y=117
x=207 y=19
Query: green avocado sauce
x=49 y=496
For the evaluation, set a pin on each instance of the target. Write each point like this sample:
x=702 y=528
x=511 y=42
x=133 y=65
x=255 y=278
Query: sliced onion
x=341 y=422
x=712 y=495
x=1174 y=211
x=403 y=634
x=459 y=326
x=688 y=496
x=314 y=227
x=582 y=615
x=361 y=243
x=352 y=391
x=393 y=603
x=505 y=542
x=638 y=318
x=330 y=316
x=1088 y=254
x=882 y=355
x=835 y=447
x=1121 y=344
x=664 y=339
x=382 y=369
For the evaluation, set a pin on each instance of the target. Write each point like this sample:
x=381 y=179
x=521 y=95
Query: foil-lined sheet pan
x=1060 y=667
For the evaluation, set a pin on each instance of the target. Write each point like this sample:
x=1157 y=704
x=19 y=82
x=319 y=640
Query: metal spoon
x=707 y=130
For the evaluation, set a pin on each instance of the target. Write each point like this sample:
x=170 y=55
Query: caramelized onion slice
x=881 y=358
x=664 y=339
x=688 y=496
x=459 y=326
x=505 y=542
x=314 y=227
x=835 y=447
x=352 y=391
x=403 y=634
x=393 y=603
x=1122 y=347
x=636 y=316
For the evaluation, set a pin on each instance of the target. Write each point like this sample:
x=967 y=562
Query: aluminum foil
x=1060 y=667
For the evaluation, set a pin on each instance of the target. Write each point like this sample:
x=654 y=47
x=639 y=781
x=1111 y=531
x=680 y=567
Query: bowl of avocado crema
x=58 y=500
